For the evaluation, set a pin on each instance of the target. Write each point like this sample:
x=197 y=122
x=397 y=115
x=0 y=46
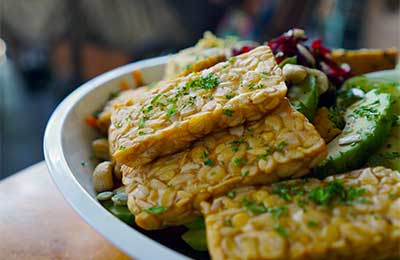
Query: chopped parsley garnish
x=208 y=82
x=121 y=147
x=281 y=230
x=207 y=160
x=239 y=161
x=228 y=112
x=336 y=118
x=172 y=110
x=231 y=59
x=141 y=133
x=229 y=96
x=312 y=223
x=245 y=173
x=277 y=212
x=280 y=146
x=154 y=99
x=235 y=144
x=254 y=86
x=257 y=208
x=265 y=154
x=118 y=124
x=231 y=194
x=228 y=222
x=148 y=109
x=265 y=74
x=367 y=111
x=282 y=191
x=141 y=122
x=155 y=209
x=336 y=190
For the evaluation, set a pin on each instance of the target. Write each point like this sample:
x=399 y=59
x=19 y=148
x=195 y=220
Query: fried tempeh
x=169 y=190
x=350 y=216
x=180 y=111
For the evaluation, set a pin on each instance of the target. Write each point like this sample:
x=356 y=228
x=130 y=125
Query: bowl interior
x=68 y=153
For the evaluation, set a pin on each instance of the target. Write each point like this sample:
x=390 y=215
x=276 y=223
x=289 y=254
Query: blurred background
x=49 y=47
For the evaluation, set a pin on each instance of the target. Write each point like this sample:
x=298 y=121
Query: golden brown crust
x=263 y=223
x=181 y=111
x=282 y=145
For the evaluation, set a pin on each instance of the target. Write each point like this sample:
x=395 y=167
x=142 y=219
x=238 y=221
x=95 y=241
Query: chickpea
x=294 y=73
x=101 y=148
x=103 y=177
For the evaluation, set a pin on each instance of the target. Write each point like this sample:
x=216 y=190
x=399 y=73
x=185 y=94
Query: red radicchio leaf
x=336 y=74
x=243 y=49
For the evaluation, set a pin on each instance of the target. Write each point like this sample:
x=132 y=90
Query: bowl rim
x=126 y=238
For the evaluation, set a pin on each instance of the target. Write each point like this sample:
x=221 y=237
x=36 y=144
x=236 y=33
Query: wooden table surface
x=37 y=223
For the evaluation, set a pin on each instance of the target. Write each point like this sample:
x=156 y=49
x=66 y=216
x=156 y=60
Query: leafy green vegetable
x=155 y=209
x=196 y=238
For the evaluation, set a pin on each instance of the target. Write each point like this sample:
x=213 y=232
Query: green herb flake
x=245 y=173
x=228 y=112
x=254 y=86
x=141 y=122
x=235 y=144
x=172 y=110
x=335 y=190
x=141 y=133
x=239 y=161
x=277 y=212
x=312 y=223
x=265 y=154
x=154 y=99
x=228 y=222
x=281 y=230
x=208 y=162
x=283 y=192
x=118 y=124
x=208 y=82
x=229 y=96
x=231 y=194
x=280 y=146
x=265 y=74
x=155 y=209
x=121 y=147
x=257 y=208
x=368 y=111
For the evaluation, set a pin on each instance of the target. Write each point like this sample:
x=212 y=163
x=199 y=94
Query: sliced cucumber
x=304 y=97
x=368 y=124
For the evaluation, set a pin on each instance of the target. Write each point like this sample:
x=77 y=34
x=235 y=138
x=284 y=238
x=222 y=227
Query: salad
x=280 y=150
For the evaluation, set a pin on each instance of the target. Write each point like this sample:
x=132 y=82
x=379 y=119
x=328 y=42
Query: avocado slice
x=304 y=96
x=388 y=154
x=368 y=123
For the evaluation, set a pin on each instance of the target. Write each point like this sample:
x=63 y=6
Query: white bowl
x=67 y=145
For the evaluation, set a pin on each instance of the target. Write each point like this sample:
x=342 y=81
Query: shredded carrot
x=91 y=121
x=123 y=86
x=137 y=76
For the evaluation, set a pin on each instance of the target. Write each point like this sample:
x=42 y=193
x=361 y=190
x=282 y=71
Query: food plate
x=67 y=151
